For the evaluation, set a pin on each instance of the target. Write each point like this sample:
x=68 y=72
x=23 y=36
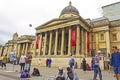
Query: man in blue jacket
x=115 y=62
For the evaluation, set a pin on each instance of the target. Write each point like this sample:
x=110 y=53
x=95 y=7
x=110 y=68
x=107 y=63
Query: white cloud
x=16 y=15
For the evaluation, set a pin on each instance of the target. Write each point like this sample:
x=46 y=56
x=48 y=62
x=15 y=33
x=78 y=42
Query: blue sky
x=16 y=15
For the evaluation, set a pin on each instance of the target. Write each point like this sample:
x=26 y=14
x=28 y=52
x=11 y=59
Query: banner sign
x=37 y=42
x=73 y=38
x=88 y=42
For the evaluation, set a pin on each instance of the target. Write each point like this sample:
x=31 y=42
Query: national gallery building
x=70 y=34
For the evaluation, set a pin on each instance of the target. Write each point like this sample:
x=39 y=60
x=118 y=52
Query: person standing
x=12 y=57
x=97 y=69
x=71 y=61
x=49 y=62
x=84 y=64
x=92 y=63
x=22 y=62
x=115 y=62
x=28 y=61
x=4 y=61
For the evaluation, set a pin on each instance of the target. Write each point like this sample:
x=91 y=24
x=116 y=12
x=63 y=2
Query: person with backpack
x=115 y=62
x=61 y=74
x=71 y=61
x=22 y=62
x=97 y=69
x=71 y=74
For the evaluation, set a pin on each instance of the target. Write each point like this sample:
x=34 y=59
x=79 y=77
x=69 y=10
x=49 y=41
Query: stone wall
x=63 y=62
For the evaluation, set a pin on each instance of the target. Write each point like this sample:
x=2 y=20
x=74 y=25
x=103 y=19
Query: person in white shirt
x=22 y=62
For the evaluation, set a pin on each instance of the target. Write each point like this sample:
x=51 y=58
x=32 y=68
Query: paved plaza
x=48 y=73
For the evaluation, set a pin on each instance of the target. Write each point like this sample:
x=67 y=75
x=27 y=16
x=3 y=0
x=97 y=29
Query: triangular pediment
x=56 y=21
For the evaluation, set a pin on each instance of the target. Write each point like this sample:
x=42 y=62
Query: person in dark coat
x=84 y=64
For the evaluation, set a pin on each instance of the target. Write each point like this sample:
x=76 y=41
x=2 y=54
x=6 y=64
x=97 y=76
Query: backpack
x=24 y=74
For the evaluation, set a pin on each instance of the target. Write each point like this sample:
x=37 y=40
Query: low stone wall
x=63 y=62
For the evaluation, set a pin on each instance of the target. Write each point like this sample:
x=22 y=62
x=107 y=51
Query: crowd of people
x=25 y=65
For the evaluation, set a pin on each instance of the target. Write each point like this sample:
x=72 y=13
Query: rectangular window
x=114 y=36
x=101 y=36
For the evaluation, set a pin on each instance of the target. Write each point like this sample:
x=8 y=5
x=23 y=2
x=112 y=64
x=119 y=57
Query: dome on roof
x=70 y=10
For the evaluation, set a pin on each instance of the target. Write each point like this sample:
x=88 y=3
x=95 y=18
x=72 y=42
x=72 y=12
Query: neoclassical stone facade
x=20 y=45
x=54 y=38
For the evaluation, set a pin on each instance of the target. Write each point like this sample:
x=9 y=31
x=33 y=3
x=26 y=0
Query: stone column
x=69 y=42
x=62 y=42
x=40 y=43
x=107 y=42
x=56 y=42
x=97 y=42
x=82 y=42
x=18 y=52
x=50 y=43
x=23 y=48
x=44 y=50
x=85 y=43
x=78 y=41
x=26 y=48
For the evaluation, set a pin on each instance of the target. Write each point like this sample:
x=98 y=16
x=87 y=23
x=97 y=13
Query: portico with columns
x=24 y=45
x=56 y=35
x=57 y=39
